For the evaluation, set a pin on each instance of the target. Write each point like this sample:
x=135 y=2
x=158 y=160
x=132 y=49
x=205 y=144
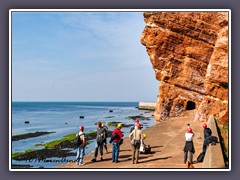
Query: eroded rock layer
x=189 y=54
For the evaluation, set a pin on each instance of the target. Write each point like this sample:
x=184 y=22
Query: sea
x=63 y=118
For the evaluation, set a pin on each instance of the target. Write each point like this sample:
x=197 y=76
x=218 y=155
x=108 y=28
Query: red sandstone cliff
x=189 y=54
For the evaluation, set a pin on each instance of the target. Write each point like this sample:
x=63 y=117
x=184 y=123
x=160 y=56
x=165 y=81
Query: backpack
x=106 y=132
x=113 y=137
x=120 y=141
x=101 y=137
x=132 y=128
x=78 y=141
x=148 y=150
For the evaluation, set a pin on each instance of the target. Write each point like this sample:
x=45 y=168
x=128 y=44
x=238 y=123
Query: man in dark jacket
x=99 y=142
x=207 y=134
x=117 y=135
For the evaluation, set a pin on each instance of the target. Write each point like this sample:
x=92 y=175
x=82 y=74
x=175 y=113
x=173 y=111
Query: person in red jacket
x=116 y=136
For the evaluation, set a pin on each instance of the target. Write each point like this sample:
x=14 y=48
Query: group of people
x=189 y=145
x=136 y=136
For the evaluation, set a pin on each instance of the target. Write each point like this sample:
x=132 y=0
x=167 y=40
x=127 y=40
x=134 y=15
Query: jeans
x=115 y=152
x=100 y=146
x=80 y=154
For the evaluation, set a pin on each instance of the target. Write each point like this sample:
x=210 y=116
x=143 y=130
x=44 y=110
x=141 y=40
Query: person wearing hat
x=81 y=147
x=135 y=125
x=135 y=136
x=207 y=133
x=189 y=147
x=142 y=144
x=116 y=136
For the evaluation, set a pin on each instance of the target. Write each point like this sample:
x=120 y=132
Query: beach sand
x=166 y=139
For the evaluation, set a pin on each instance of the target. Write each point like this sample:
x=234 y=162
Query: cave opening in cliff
x=190 y=105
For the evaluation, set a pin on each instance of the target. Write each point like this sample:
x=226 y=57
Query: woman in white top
x=189 y=146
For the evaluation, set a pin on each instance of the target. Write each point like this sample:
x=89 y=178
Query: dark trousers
x=105 y=144
x=190 y=156
x=100 y=147
x=205 y=144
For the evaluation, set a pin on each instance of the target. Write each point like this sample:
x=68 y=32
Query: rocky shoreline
x=29 y=135
x=44 y=154
x=60 y=150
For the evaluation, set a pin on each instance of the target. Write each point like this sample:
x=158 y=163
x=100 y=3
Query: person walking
x=81 y=146
x=105 y=140
x=189 y=147
x=99 y=142
x=116 y=136
x=135 y=137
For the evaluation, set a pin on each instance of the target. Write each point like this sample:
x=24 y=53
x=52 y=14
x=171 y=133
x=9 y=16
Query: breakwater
x=147 y=105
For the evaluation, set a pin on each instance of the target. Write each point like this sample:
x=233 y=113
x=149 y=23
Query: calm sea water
x=63 y=118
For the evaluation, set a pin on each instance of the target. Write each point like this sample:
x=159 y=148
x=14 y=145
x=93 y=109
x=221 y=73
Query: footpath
x=166 y=139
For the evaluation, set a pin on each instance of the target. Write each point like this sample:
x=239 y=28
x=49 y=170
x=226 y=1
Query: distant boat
x=26 y=122
x=81 y=117
x=110 y=110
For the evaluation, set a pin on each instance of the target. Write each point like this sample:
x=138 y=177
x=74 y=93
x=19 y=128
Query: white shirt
x=189 y=136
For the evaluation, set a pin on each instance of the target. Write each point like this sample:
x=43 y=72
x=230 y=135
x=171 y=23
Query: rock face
x=189 y=54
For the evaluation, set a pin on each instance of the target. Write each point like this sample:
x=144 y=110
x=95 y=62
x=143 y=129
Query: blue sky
x=80 y=56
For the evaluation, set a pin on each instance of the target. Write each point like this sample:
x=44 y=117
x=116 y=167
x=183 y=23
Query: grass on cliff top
x=21 y=153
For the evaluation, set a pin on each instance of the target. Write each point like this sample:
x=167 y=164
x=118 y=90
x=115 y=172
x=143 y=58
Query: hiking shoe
x=101 y=159
x=81 y=164
x=93 y=160
x=117 y=161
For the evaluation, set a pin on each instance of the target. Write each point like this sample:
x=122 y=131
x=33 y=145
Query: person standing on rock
x=135 y=137
x=99 y=142
x=81 y=147
x=116 y=136
x=189 y=147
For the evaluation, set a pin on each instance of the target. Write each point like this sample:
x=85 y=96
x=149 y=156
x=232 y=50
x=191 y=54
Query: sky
x=80 y=56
